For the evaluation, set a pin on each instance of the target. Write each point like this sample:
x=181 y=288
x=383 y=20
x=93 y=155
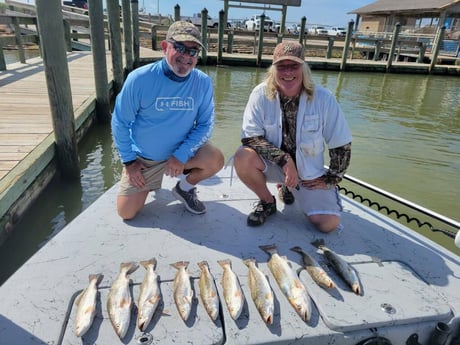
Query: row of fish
x=119 y=301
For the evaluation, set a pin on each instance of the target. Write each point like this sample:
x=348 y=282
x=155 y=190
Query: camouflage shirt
x=339 y=156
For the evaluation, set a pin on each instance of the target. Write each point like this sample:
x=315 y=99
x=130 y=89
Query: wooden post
x=378 y=46
x=303 y=23
x=2 y=59
x=230 y=36
x=394 y=41
x=280 y=34
x=96 y=24
x=127 y=34
x=346 y=45
x=436 y=46
x=261 y=39
x=113 y=11
x=19 y=43
x=220 y=35
x=177 y=13
x=204 y=34
x=49 y=14
x=67 y=35
x=153 y=31
x=421 y=52
x=135 y=20
x=330 y=46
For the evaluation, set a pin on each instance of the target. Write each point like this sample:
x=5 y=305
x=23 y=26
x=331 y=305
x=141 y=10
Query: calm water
x=406 y=140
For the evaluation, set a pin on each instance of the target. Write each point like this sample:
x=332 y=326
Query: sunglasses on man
x=182 y=49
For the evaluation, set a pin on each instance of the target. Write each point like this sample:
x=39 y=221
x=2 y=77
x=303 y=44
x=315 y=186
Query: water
x=406 y=140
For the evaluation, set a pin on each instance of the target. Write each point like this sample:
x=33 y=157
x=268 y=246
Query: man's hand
x=174 y=167
x=291 y=178
x=134 y=173
x=317 y=183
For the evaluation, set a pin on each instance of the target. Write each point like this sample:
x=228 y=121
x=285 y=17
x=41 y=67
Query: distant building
x=418 y=16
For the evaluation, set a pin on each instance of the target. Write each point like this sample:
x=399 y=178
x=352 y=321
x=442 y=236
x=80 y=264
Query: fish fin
x=248 y=261
x=128 y=267
x=318 y=243
x=98 y=277
x=203 y=263
x=180 y=264
x=154 y=299
x=269 y=248
x=225 y=262
x=147 y=263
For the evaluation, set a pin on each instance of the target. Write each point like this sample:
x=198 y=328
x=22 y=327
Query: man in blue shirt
x=162 y=122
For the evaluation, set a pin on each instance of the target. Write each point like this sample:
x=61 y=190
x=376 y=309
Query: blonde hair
x=272 y=88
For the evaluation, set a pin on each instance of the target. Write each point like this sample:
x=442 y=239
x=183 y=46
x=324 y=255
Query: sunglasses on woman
x=182 y=49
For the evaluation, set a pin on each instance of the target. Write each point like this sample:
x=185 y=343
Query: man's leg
x=129 y=205
x=206 y=163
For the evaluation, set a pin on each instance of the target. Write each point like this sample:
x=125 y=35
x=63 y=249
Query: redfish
x=288 y=282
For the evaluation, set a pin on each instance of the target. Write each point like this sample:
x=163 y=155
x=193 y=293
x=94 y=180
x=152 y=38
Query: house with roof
x=415 y=16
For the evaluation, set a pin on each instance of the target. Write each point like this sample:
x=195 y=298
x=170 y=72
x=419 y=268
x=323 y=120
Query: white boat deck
x=409 y=283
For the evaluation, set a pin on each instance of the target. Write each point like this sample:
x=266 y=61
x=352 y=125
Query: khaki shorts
x=153 y=175
x=311 y=201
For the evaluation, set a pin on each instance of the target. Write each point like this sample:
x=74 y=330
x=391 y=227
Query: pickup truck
x=335 y=31
x=254 y=23
x=196 y=20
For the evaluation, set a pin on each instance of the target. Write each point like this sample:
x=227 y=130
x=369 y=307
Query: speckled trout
x=119 y=300
x=183 y=293
x=314 y=269
x=149 y=295
x=261 y=291
x=208 y=291
x=339 y=265
x=233 y=295
x=86 y=305
x=288 y=282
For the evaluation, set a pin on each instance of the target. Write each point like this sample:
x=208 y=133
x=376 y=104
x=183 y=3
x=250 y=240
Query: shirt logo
x=174 y=103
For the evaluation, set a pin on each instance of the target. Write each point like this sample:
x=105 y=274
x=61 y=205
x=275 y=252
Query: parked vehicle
x=254 y=23
x=196 y=20
x=77 y=3
x=336 y=31
x=318 y=30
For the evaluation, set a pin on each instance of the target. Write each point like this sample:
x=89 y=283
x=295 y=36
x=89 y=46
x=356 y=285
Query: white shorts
x=311 y=201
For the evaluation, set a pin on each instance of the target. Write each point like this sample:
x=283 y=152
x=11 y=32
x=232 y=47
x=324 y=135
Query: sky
x=325 y=12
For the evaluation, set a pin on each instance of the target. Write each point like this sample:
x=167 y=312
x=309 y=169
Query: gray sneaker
x=189 y=199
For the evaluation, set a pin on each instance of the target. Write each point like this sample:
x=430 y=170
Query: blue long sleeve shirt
x=157 y=116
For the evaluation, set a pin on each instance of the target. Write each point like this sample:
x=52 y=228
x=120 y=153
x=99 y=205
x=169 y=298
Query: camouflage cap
x=181 y=31
x=289 y=51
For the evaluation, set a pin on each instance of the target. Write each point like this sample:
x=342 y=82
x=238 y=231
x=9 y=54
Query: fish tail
x=180 y=264
x=319 y=243
x=297 y=249
x=224 y=263
x=147 y=263
x=248 y=261
x=269 y=249
x=97 y=277
x=203 y=264
x=128 y=267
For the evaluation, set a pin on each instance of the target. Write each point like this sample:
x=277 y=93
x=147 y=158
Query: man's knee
x=325 y=222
